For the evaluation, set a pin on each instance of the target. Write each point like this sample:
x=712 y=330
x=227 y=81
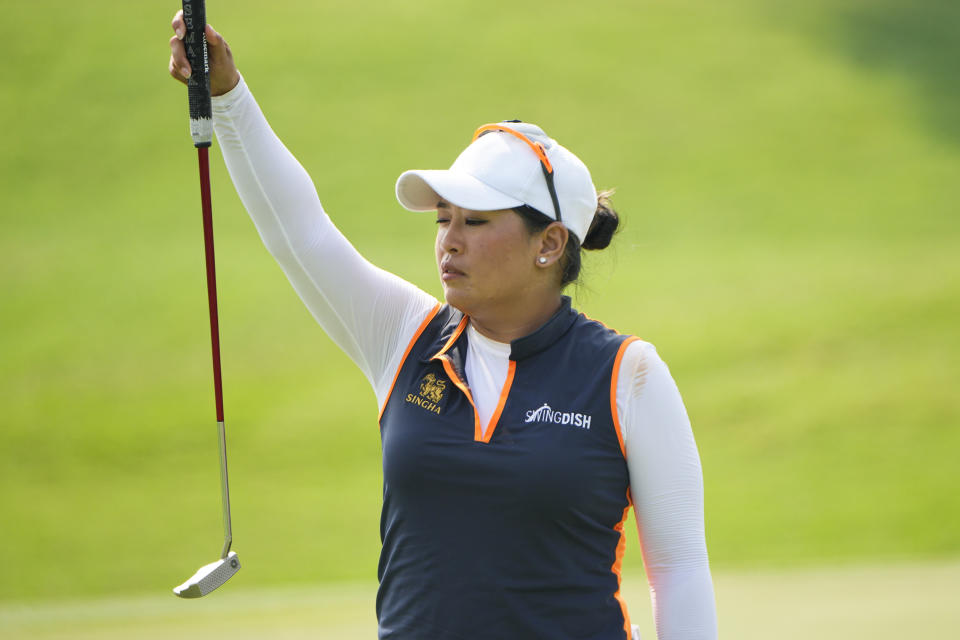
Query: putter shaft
x=224 y=493
x=204 y=162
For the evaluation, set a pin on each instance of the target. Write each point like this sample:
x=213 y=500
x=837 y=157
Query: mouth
x=449 y=272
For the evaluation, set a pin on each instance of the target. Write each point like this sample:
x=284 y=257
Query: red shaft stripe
x=211 y=276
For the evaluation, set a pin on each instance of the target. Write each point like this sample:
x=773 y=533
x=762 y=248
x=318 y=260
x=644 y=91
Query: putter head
x=209 y=577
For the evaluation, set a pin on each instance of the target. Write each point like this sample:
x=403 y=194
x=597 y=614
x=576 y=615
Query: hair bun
x=605 y=224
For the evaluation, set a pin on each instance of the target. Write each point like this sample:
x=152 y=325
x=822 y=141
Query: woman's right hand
x=223 y=72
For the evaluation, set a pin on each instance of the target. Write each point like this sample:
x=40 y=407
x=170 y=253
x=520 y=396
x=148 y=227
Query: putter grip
x=198 y=85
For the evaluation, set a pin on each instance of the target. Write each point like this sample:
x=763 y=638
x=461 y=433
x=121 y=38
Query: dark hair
x=605 y=223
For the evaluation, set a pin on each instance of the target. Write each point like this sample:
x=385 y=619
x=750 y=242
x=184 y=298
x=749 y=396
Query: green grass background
x=793 y=604
x=788 y=177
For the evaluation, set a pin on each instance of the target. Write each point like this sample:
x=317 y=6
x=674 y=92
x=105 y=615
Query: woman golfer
x=516 y=432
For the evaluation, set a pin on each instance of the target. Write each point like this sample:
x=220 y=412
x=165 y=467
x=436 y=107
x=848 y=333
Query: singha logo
x=431 y=393
x=431 y=388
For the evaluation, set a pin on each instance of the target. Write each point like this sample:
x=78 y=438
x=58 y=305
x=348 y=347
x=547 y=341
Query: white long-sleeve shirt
x=373 y=314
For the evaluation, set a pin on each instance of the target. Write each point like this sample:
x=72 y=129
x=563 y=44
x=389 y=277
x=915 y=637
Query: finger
x=175 y=72
x=219 y=49
x=213 y=38
x=178 y=57
x=179 y=27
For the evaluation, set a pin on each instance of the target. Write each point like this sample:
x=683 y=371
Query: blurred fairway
x=880 y=603
x=788 y=174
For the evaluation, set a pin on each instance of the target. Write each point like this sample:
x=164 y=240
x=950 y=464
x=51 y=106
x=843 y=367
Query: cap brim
x=420 y=190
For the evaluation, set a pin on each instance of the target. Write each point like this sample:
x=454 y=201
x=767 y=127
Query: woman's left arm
x=667 y=487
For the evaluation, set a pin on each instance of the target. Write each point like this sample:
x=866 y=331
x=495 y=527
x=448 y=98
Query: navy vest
x=518 y=535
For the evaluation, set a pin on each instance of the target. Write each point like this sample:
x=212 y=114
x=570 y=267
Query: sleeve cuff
x=223 y=103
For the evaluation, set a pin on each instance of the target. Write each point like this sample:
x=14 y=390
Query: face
x=486 y=259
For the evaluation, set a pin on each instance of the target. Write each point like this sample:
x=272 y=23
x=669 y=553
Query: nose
x=450 y=238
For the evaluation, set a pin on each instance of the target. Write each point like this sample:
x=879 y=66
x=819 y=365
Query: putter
x=212 y=575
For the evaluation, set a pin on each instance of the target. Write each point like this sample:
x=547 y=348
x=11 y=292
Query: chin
x=457 y=300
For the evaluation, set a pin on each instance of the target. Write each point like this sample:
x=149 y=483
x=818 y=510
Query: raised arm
x=370 y=313
x=667 y=488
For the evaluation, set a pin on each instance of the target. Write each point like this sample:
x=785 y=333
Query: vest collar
x=551 y=331
x=452 y=337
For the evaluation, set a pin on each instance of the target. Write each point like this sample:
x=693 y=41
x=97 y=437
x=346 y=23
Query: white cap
x=501 y=171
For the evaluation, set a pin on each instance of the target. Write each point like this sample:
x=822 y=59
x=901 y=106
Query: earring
x=542 y=260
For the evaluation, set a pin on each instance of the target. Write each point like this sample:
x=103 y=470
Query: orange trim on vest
x=495 y=418
x=618 y=564
x=448 y=367
x=600 y=322
x=613 y=392
x=453 y=338
x=478 y=434
x=413 y=341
